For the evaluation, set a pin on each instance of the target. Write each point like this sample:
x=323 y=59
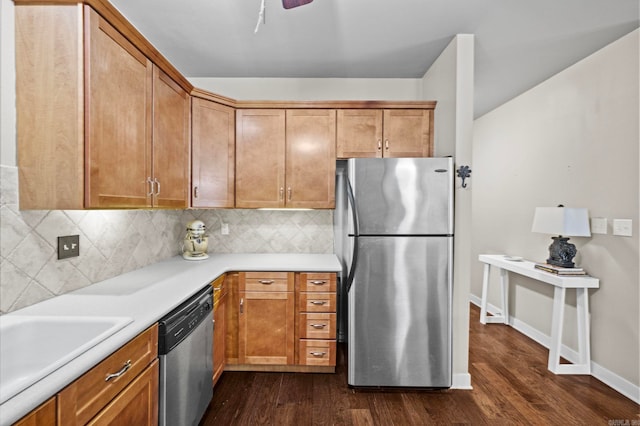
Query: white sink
x=32 y=347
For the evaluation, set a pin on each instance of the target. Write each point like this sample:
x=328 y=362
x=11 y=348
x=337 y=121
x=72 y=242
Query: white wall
x=304 y=89
x=571 y=140
x=7 y=85
x=450 y=82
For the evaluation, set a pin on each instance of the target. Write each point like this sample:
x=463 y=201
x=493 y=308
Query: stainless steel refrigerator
x=394 y=236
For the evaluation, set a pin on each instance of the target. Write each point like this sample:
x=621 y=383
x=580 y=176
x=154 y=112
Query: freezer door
x=403 y=196
x=400 y=313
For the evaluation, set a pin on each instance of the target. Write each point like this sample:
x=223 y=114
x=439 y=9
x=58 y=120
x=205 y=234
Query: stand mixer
x=194 y=246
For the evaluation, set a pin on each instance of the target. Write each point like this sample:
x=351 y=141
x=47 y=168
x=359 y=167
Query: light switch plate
x=68 y=246
x=224 y=229
x=623 y=227
x=598 y=225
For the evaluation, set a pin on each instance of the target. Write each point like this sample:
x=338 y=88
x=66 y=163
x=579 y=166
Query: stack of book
x=565 y=272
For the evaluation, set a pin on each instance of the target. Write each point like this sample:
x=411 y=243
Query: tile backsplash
x=113 y=242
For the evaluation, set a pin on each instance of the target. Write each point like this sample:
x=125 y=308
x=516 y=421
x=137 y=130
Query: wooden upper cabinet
x=97 y=126
x=285 y=158
x=118 y=119
x=408 y=133
x=171 y=126
x=310 y=158
x=260 y=150
x=374 y=133
x=212 y=154
x=49 y=106
x=359 y=133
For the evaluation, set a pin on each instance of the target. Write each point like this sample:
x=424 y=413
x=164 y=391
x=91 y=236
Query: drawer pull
x=318 y=282
x=266 y=282
x=318 y=354
x=125 y=368
x=317 y=302
x=318 y=325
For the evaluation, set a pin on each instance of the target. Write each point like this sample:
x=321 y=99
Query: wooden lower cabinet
x=137 y=404
x=266 y=318
x=219 y=327
x=44 y=415
x=133 y=387
x=280 y=321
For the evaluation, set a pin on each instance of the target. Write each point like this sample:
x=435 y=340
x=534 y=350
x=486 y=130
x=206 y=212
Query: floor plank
x=511 y=386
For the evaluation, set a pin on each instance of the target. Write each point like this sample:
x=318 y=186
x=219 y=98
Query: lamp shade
x=570 y=222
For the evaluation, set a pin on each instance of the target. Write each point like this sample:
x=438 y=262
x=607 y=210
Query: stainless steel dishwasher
x=185 y=348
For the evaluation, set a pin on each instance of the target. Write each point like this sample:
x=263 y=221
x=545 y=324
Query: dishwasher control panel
x=179 y=323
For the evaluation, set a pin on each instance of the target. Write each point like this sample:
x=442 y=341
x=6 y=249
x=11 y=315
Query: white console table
x=561 y=284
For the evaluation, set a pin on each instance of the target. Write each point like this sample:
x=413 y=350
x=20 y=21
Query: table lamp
x=564 y=222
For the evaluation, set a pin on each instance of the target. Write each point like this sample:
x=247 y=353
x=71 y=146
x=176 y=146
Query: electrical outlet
x=224 y=229
x=598 y=225
x=68 y=246
x=623 y=227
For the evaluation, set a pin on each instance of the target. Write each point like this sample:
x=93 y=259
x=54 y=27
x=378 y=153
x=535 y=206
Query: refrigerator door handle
x=356 y=233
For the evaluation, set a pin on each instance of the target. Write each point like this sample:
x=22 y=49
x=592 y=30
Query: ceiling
x=518 y=43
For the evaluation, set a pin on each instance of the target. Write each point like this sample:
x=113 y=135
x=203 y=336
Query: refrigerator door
x=403 y=196
x=400 y=313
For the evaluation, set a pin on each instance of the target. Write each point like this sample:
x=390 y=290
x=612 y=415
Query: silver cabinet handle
x=318 y=325
x=195 y=192
x=125 y=368
x=317 y=302
x=289 y=194
x=242 y=305
x=317 y=353
x=386 y=144
x=318 y=282
x=281 y=193
x=379 y=144
x=150 y=182
x=157 y=182
x=266 y=282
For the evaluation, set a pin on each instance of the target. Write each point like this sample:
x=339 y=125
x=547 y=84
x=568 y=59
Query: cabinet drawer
x=317 y=326
x=317 y=302
x=84 y=398
x=322 y=281
x=266 y=281
x=317 y=352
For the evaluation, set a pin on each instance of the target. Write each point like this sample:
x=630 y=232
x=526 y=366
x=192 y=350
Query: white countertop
x=145 y=295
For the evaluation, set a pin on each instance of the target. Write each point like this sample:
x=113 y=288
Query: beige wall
x=571 y=140
x=450 y=81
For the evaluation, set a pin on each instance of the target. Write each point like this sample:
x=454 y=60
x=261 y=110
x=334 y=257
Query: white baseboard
x=461 y=381
x=619 y=384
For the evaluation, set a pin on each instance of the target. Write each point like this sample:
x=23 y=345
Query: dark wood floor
x=511 y=386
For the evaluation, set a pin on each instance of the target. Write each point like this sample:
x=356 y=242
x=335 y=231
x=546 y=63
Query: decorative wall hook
x=463 y=173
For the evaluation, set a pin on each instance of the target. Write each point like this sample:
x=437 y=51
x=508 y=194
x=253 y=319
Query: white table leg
x=485 y=289
x=584 y=346
x=504 y=286
x=557 y=320
x=584 y=364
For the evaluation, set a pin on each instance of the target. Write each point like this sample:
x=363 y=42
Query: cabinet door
x=266 y=328
x=137 y=404
x=170 y=142
x=359 y=133
x=212 y=154
x=311 y=158
x=407 y=133
x=117 y=118
x=232 y=313
x=260 y=150
x=44 y=415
